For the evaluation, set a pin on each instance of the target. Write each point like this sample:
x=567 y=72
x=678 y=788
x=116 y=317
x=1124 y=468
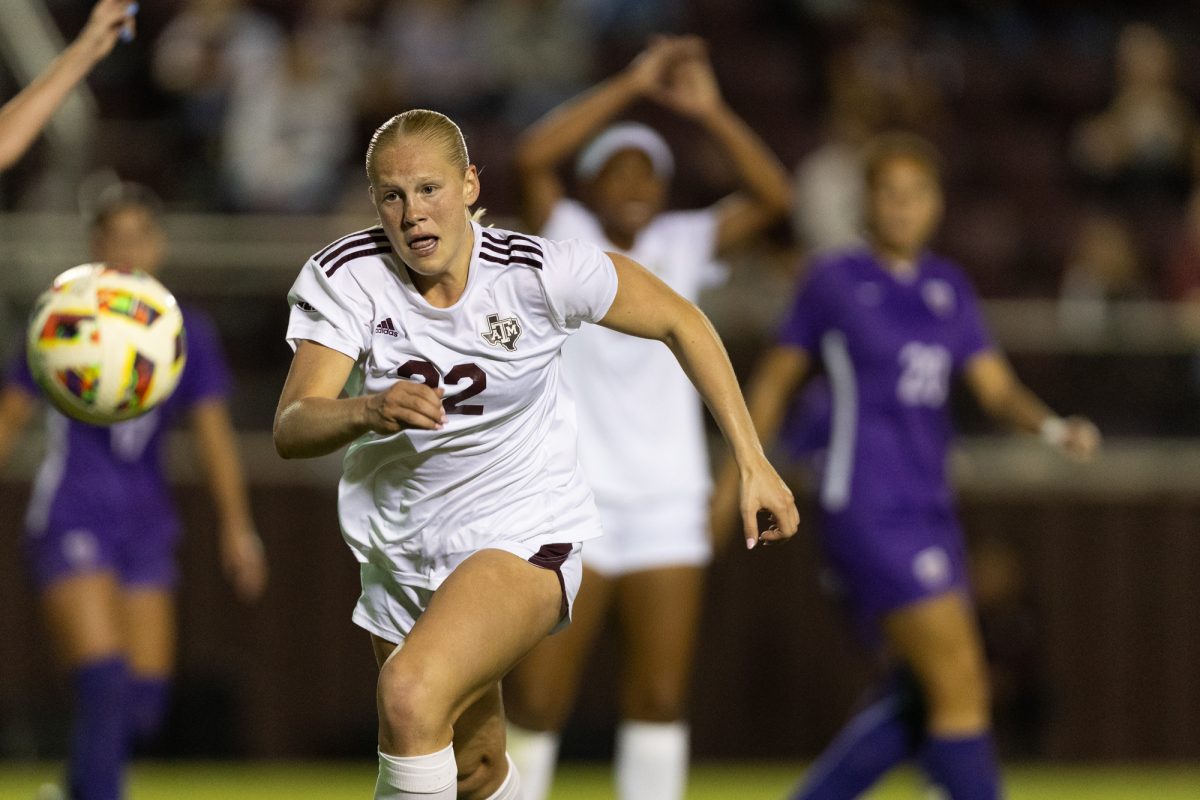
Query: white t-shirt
x=504 y=468
x=641 y=426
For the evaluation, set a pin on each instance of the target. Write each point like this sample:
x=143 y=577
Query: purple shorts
x=879 y=563
x=138 y=547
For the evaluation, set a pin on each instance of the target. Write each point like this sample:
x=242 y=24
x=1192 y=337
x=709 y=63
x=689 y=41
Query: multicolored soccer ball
x=106 y=345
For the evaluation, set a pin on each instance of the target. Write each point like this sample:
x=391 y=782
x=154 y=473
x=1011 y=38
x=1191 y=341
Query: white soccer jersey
x=504 y=468
x=641 y=426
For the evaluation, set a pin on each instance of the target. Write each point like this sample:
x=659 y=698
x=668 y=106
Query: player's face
x=905 y=206
x=627 y=194
x=130 y=239
x=422 y=200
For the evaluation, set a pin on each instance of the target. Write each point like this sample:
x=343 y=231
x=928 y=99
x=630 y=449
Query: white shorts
x=637 y=538
x=389 y=608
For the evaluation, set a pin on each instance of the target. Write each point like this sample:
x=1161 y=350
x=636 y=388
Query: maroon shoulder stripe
x=365 y=233
x=510 y=260
x=496 y=237
x=375 y=251
x=348 y=244
x=510 y=249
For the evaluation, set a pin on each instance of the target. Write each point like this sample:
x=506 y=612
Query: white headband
x=625 y=136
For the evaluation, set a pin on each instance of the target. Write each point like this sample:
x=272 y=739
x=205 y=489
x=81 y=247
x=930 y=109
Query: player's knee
x=410 y=710
x=659 y=700
x=536 y=710
x=956 y=692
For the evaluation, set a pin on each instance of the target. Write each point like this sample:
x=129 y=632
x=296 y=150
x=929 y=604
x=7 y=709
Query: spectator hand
x=648 y=71
x=110 y=20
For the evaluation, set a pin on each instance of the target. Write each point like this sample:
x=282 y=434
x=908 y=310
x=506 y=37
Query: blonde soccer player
x=461 y=496
x=641 y=428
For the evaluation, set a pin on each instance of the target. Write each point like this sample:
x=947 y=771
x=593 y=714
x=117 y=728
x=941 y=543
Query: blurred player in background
x=23 y=117
x=893 y=323
x=101 y=528
x=465 y=505
x=641 y=430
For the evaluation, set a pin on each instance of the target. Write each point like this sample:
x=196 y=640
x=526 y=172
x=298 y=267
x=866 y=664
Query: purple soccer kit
x=100 y=498
x=890 y=347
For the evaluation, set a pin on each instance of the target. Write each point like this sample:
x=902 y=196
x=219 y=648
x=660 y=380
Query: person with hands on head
x=24 y=116
x=893 y=323
x=461 y=495
x=642 y=441
x=101 y=529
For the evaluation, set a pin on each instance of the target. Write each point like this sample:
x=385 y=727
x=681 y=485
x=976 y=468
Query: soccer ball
x=106 y=345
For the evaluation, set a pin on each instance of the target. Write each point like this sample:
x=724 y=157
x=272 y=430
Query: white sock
x=652 y=760
x=431 y=777
x=533 y=754
x=511 y=788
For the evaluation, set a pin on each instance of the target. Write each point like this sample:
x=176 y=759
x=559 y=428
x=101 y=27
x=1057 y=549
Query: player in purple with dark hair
x=101 y=528
x=893 y=323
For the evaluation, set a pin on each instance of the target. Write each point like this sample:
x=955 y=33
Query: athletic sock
x=963 y=767
x=430 y=777
x=878 y=738
x=511 y=788
x=534 y=753
x=147 y=707
x=652 y=760
x=98 y=741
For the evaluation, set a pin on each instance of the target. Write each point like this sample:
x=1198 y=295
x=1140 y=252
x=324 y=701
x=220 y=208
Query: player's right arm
x=775 y=381
x=17 y=407
x=312 y=418
x=559 y=134
x=23 y=117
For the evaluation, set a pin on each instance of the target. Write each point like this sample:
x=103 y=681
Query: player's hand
x=768 y=509
x=406 y=404
x=649 y=69
x=1080 y=438
x=243 y=560
x=110 y=20
x=690 y=87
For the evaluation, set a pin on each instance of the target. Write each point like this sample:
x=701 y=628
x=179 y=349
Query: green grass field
x=286 y=781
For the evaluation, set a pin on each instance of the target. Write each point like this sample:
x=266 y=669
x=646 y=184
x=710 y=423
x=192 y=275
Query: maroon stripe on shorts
x=552 y=557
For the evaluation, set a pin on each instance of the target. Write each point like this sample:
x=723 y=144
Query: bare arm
x=771 y=388
x=241 y=550
x=313 y=419
x=23 y=117
x=646 y=307
x=766 y=192
x=1002 y=395
x=558 y=135
x=16 y=409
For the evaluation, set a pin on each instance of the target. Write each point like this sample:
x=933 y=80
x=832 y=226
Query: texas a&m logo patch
x=502 y=332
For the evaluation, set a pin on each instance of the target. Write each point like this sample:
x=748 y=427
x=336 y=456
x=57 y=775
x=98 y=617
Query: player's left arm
x=645 y=306
x=766 y=193
x=242 y=556
x=1006 y=399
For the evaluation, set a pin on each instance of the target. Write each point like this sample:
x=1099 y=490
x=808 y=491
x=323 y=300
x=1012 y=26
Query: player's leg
x=659 y=611
x=490 y=611
x=940 y=641
x=884 y=734
x=83 y=616
x=540 y=691
x=148 y=621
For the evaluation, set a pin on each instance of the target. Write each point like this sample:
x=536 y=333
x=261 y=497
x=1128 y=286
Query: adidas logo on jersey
x=387 y=328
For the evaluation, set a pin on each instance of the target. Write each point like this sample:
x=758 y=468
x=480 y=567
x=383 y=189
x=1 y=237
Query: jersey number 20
x=429 y=375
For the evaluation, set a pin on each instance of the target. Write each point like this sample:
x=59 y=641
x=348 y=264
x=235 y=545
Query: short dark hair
x=900 y=145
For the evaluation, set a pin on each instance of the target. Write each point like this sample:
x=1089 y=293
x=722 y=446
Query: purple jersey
x=890 y=347
x=105 y=487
